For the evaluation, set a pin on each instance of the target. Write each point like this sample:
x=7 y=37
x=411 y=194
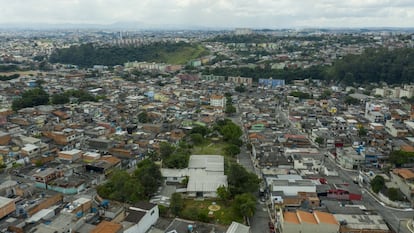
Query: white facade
x=150 y=218
x=218 y=101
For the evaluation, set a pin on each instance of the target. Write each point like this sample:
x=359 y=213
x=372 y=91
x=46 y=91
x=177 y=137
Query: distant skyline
x=212 y=13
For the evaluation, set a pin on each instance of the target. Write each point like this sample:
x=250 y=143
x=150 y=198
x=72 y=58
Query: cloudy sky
x=214 y=13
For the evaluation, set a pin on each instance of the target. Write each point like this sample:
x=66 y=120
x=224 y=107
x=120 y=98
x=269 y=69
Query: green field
x=224 y=216
x=183 y=55
x=209 y=148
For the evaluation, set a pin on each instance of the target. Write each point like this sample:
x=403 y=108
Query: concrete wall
x=7 y=209
x=46 y=204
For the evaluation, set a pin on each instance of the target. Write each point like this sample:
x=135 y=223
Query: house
x=107 y=227
x=356 y=223
x=305 y=222
x=218 y=101
x=404 y=179
x=70 y=155
x=7 y=206
x=104 y=165
x=349 y=158
x=140 y=217
x=44 y=176
x=396 y=129
x=236 y=227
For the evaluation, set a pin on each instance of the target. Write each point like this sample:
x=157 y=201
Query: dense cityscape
x=236 y=131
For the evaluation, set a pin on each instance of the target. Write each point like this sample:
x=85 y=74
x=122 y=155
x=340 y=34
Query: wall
x=46 y=204
x=7 y=209
x=149 y=219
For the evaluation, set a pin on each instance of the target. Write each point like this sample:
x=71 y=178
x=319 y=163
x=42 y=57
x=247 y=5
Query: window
x=152 y=212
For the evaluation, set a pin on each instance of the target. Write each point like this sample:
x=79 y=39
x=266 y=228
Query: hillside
x=88 y=55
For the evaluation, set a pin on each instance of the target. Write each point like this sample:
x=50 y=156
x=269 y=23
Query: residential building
x=403 y=178
x=140 y=217
x=357 y=223
x=305 y=222
x=218 y=101
x=7 y=206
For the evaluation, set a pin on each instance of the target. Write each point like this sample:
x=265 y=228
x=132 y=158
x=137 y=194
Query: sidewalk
x=410 y=225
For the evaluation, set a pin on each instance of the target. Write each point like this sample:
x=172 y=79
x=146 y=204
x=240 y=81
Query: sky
x=213 y=13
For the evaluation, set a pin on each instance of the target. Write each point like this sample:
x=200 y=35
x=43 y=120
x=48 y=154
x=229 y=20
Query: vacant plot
x=209 y=148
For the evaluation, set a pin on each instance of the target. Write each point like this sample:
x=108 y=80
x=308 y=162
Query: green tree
x=176 y=160
x=176 y=204
x=231 y=131
x=231 y=150
x=326 y=94
x=241 y=88
x=377 y=183
x=230 y=109
x=319 y=140
x=400 y=157
x=224 y=193
x=197 y=138
x=200 y=130
x=149 y=176
x=60 y=99
x=121 y=187
x=394 y=194
x=166 y=149
x=31 y=98
x=245 y=204
x=351 y=101
x=240 y=180
x=143 y=117
x=362 y=132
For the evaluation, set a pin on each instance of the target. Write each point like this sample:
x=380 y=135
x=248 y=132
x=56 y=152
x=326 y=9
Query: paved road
x=397 y=219
x=259 y=222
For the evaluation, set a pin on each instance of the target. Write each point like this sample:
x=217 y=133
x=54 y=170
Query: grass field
x=209 y=148
x=184 y=55
x=223 y=216
x=22 y=73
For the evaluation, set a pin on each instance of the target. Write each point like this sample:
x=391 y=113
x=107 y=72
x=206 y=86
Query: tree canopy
x=123 y=187
x=31 y=98
x=87 y=55
x=240 y=180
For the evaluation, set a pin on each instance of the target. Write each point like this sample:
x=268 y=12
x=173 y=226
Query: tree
x=223 y=193
x=377 y=183
x=393 y=194
x=149 y=176
x=241 y=88
x=177 y=161
x=240 y=180
x=176 y=204
x=351 y=101
x=230 y=109
x=143 y=117
x=166 y=149
x=60 y=99
x=200 y=129
x=319 y=140
x=326 y=94
x=232 y=150
x=197 y=138
x=362 y=132
x=121 y=187
x=400 y=157
x=231 y=131
x=245 y=204
x=31 y=98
